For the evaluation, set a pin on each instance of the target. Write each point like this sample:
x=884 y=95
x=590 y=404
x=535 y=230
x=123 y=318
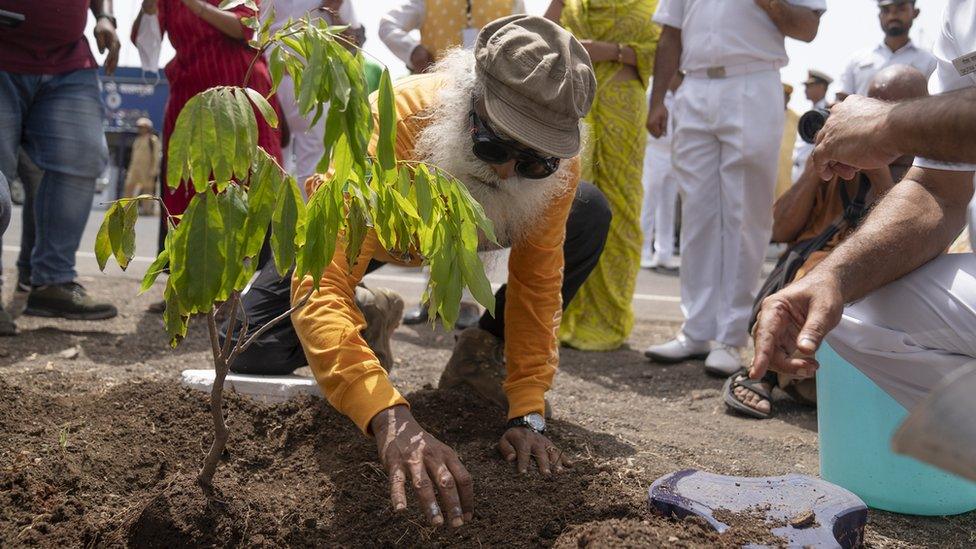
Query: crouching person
x=505 y=120
x=814 y=217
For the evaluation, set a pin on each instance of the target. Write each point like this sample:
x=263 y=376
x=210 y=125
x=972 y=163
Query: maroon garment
x=51 y=40
x=206 y=57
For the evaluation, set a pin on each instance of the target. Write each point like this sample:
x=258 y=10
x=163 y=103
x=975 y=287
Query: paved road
x=656 y=296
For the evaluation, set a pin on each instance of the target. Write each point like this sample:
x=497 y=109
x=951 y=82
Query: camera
x=810 y=123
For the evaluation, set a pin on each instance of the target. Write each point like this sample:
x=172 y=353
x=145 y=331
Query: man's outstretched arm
x=912 y=224
x=867 y=133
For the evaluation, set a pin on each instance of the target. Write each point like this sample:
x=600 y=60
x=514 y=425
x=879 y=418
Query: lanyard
x=469 y=14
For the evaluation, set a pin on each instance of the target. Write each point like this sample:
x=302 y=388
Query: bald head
x=897 y=83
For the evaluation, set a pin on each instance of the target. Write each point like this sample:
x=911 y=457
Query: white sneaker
x=672 y=263
x=678 y=349
x=649 y=262
x=724 y=360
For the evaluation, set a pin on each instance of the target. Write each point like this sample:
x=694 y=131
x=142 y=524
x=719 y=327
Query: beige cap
x=538 y=81
x=818 y=77
x=144 y=123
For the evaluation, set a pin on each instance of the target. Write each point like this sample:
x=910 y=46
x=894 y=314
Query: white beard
x=514 y=205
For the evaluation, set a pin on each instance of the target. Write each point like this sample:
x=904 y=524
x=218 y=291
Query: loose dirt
x=99 y=446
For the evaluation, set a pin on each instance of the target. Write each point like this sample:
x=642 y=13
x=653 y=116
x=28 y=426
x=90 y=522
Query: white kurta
x=725 y=154
x=912 y=333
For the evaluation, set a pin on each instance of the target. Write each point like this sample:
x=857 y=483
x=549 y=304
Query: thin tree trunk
x=221 y=367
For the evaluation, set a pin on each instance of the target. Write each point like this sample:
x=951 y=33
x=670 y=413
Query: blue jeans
x=5 y=206
x=58 y=120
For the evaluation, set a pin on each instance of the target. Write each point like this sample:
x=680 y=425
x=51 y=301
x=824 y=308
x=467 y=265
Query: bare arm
x=105 y=37
x=607 y=51
x=224 y=21
x=792 y=210
x=867 y=133
x=555 y=11
x=793 y=21
x=940 y=127
x=666 y=62
x=914 y=222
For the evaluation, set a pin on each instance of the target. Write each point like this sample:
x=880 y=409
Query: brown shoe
x=382 y=309
x=478 y=366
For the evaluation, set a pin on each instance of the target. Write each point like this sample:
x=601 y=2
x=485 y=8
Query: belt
x=734 y=70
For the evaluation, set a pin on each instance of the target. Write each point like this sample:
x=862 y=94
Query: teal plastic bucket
x=856 y=421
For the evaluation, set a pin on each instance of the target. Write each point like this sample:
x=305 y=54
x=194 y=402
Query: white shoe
x=672 y=263
x=679 y=349
x=724 y=360
x=649 y=263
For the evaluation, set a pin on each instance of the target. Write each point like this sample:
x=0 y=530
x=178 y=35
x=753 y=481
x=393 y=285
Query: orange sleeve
x=329 y=328
x=533 y=306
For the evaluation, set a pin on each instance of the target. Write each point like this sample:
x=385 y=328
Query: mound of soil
x=118 y=469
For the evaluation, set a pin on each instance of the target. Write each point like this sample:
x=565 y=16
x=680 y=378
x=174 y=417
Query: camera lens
x=811 y=122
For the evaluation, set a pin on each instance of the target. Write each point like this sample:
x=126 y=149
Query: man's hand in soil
x=855 y=136
x=520 y=444
x=408 y=451
x=792 y=323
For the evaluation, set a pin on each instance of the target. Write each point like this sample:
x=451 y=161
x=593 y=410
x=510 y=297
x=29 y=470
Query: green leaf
x=204 y=263
x=289 y=214
x=178 y=154
x=174 y=317
x=276 y=65
x=224 y=109
x=356 y=230
x=204 y=136
x=474 y=278
x=103 y=243
x=267 y=111
x=261 y=197
x=324 y=217
x=157 y=267
x=231 y=4
x=334 y=127
x=247 y=132
x=233 y=214
x=387 y=112
x=421 y=185
x=127 y=245
x=341 y=86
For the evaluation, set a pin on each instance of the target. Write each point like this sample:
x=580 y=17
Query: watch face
x=536 y=421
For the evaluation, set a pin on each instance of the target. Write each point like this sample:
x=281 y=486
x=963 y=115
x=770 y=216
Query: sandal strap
x=742 y=379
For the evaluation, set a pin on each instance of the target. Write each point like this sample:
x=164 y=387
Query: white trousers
x=305 y=149
x=912 y=333
x=725 y=154
x=660 y=200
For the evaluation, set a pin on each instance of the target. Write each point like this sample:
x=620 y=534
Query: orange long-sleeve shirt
x=329 y=324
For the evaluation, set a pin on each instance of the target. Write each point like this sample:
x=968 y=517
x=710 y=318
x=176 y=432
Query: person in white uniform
x=396 y=26
x=896 y=17
x=305 y=148
x=660 y=196
x=911 y=315
x=815 y=88
x=725 y=154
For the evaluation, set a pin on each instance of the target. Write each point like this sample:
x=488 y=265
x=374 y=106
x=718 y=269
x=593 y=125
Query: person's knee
x=595 y=213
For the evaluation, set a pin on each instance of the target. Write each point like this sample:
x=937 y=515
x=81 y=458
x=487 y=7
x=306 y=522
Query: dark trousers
x=279 y=351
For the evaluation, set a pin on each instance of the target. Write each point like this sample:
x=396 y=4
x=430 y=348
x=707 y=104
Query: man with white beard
x=505 y=120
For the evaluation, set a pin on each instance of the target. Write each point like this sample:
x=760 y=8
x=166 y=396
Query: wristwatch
x=533 y=421
x=109 y=17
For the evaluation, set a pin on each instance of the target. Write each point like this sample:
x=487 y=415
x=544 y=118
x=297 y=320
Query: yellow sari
x=600 y=317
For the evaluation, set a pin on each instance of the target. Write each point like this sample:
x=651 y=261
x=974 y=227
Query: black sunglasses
x=489 y=147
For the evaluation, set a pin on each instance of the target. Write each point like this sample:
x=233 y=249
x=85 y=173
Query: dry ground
x=97 y=444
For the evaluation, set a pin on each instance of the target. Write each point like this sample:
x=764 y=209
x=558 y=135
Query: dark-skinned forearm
x=224 y=21
x=912 y=224
x=666 y=61
x=794 y=21
x=941 y=127
x=792 y=210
